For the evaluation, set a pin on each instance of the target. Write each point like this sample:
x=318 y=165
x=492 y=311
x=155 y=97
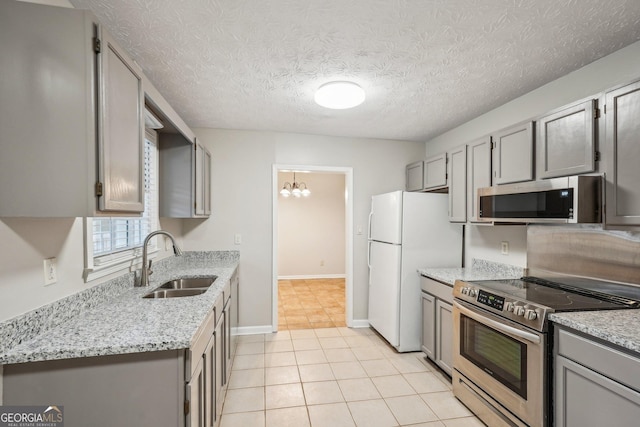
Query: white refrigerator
x=407 y=231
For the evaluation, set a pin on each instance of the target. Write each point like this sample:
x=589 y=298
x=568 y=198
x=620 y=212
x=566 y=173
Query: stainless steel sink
x=189 y=283
x=185 y=287
x=175 y=293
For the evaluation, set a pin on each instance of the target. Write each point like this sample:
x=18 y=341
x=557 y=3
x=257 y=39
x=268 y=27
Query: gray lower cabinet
x=164 y=388
x=566 y=140
x=457 y=178
x=595 y=385
x=478 y=173
x=513 y=154
x=429 y=325
x=139 y=389
x=437 y=322
x=444 y=335
x=622 y=151
x=196 y=404
x=72 y=134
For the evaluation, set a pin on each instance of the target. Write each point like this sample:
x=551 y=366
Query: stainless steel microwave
x=572 y=199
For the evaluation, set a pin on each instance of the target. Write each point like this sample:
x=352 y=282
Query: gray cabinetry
x=622 y=122
x=435 y=172
x=71 y=118
x=444 y=335
x=185 y=189
x=437 y=322
x=414 y=176
x=195 y=405
x=139 y=389
x=594 y=384
x=478 y=173
x=429 y=325
x=457 y=177
x=162 y=388
x=202 y=181
x=513 y=154
x=566 y=141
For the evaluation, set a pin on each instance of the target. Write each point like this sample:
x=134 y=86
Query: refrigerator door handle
x=369 y=256
x=369 y=226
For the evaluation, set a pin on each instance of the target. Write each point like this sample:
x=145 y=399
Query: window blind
x=116 y=237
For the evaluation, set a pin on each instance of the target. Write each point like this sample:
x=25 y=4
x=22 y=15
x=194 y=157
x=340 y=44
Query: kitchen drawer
x=610 y=362
x=437 y=289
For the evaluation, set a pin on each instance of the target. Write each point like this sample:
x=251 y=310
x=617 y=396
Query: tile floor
x=334 y=377
x=315 y=303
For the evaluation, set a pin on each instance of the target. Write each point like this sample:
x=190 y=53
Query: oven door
x=499 y=367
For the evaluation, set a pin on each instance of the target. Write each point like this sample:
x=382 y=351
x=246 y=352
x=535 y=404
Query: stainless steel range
x=501 y=352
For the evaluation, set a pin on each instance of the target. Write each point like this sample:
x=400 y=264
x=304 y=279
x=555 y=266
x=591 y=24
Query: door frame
x=348 y=230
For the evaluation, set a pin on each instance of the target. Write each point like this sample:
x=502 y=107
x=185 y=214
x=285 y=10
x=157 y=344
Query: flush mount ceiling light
x=339 y=95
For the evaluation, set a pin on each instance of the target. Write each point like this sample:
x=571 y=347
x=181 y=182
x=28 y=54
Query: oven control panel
x=502 y=304
x=493 y=301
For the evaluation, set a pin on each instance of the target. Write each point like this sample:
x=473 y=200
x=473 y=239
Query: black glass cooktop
x=563 y=296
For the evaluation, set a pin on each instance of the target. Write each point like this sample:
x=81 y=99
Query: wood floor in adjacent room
x=311 y=303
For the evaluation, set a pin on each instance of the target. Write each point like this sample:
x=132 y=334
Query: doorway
x=305 y=279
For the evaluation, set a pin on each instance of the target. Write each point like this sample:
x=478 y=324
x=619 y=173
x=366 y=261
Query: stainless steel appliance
x=573 y=199
x=501 y=341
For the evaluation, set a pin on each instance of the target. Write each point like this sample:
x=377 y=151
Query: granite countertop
x=479 y=270
x=127 y=323
x=620 y=327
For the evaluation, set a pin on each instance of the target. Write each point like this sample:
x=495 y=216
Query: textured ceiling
x=427 y=66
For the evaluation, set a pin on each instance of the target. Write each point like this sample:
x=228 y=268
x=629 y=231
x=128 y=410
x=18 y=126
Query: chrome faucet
x=146 y=269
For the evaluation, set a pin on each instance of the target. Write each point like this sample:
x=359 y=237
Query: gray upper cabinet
x=478 y=173
x=415 y=176
x=622 y=151
x=435 y=172
x=457 y=177
x=71 y=118
x=513 y=154
x=120 y=124
x=185 y=189
x=566 y=142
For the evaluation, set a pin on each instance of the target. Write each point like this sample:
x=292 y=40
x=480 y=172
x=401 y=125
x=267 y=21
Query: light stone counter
x=480 y=270
x=620 y=327
x=122 y=321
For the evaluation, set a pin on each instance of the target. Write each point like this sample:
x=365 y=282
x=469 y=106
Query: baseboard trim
x=360 y=323
x=252 y=330
x=312 y=276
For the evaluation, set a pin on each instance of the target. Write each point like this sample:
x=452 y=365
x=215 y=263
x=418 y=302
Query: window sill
x=123 y=263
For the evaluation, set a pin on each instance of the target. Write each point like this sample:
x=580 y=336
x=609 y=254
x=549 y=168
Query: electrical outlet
x=504 y=248
x=238 y=239
x=50 y=271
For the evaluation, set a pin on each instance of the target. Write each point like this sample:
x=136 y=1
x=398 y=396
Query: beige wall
x=242 y=201
x=620 y=67
x=311 y=230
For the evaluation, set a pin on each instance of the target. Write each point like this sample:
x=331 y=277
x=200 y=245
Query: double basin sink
x=185 y=287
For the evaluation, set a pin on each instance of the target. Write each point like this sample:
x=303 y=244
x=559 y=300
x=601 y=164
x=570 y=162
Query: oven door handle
x=498 y=325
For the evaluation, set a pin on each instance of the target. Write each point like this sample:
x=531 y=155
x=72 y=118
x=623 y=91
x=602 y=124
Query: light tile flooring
x=314 y=303
x=334 y=377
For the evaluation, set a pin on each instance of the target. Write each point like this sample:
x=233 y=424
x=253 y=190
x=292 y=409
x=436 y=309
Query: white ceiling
x=426 y=65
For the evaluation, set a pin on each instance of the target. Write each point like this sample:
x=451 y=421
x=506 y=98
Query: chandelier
x=296 y=189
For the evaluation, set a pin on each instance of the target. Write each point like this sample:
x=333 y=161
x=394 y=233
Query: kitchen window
x=114 y=243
